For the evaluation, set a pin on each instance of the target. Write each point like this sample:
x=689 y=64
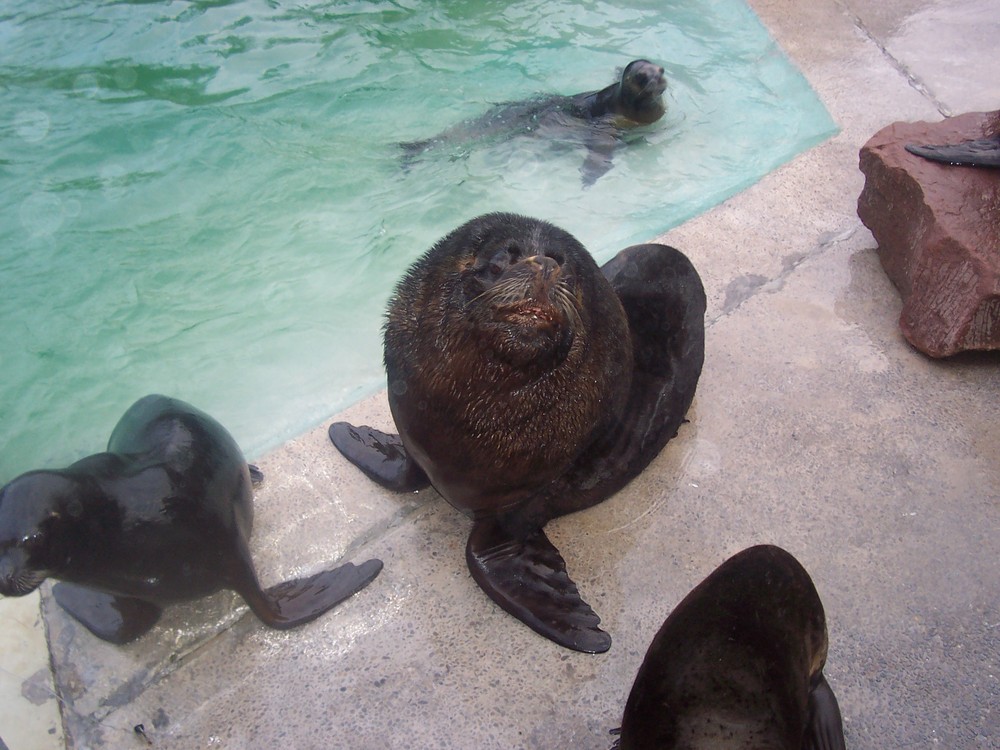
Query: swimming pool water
x=205 y=199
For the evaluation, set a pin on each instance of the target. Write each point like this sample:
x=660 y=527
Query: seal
x=599 y=119
x=163 y=516
x=738 y=664
x=527 y=383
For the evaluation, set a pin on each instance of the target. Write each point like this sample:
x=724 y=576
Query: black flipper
x=601 y=144
x=984 y=152
x=412 y=151
x=302 y=600
x=826 y=728
x=528 y=579
x=116 y=619
x=379 y=455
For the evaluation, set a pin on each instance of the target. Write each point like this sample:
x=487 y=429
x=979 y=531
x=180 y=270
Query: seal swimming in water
x=598 y=118
x=738 y=665
x=163 y=516
x=526 y=384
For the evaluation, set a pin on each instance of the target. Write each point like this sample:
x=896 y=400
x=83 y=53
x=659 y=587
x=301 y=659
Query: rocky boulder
x=938 y=233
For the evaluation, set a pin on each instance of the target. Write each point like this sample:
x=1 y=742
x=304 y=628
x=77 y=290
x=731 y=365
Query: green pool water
x=205 y=199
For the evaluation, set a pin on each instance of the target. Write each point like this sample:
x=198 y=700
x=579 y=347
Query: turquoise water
x=204 y=198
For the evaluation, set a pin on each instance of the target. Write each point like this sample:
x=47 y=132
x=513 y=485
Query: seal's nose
x=546 y=266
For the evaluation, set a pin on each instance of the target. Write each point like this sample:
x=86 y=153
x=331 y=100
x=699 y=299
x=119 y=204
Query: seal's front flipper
x=302 y=600
x=379 y=455
x=826 y=728
x=116 y=619
x=412 y=151
x=528 y=579
x=981 y=153
x=600 y=152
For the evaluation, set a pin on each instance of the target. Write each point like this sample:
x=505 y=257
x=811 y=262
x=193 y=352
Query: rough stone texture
x=938 y=233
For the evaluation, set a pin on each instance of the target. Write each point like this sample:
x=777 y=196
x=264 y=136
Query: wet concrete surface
x=815 y=427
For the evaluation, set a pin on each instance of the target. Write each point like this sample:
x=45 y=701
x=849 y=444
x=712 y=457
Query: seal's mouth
x=535 y=293
x=530 y=313
x=21 y=582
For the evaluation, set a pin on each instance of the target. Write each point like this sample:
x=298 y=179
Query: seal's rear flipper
x=826 y=729
x=379 y=455
x=980 y=153
x=302 y=600
x=116 y=619
x=528 y=579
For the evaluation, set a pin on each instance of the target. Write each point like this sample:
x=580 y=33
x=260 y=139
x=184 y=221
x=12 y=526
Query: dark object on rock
x=984 y=152
x=938 y=233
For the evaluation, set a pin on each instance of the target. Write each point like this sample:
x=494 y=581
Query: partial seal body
x=527 y=383
x=163 y=516
x=598 y=119
x=738 y=665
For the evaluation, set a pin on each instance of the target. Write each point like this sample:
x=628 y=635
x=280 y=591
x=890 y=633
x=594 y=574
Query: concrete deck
x=815 y=427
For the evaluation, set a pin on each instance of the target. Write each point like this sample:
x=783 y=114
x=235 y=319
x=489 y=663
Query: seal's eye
x=641 y=78
x=502 y=260
x=498 y=263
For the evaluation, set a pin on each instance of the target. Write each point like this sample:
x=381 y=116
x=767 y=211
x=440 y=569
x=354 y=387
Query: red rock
x=938 y=233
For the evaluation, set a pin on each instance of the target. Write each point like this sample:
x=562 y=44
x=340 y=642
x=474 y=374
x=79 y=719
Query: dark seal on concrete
x=163 y=516
x=738 y=664
x=527 y=384
x=598 y=119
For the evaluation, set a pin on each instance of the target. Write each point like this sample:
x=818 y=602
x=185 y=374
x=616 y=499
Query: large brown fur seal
x=738 y=665
x=527 y=384
x=597 y=118
x=163 y=516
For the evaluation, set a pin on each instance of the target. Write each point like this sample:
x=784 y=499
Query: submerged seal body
x=163 y=516
x=738 y=665
x=527 y=383
x=599 y=119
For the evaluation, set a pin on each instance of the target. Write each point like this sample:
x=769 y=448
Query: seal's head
x=522 y=302
x=34 y=509
x=640 y=92
x=506 y=346
x=501 y=290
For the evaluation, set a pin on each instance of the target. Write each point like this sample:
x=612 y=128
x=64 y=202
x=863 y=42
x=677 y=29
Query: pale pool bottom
x=29 y=709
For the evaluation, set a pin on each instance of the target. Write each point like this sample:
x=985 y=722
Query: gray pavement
x=815 y=427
